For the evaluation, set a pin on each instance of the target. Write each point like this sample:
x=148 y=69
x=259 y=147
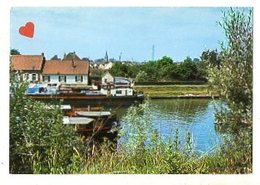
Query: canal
x=195 y=116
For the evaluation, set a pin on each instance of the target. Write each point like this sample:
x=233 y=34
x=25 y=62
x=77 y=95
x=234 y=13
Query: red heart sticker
x=27 y=30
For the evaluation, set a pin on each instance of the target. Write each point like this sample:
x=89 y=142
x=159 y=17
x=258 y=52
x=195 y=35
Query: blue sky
x=90 y=32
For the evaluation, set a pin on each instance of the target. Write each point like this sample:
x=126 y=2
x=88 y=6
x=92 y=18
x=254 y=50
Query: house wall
x=70 y=79
x=28 y=76
x=54 y=79
x=107 y=78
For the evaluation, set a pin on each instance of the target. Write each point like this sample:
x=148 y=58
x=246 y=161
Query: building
x=107 y=78
x=66 y=72
x=36 y=69
x=116 y=86
x=31 y=66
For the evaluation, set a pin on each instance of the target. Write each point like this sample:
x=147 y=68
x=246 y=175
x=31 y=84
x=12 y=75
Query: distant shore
x=176 y=91
x=191 y=96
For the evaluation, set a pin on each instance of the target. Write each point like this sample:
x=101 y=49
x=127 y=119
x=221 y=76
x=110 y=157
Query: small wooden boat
x=94 y=114
x=77 y=120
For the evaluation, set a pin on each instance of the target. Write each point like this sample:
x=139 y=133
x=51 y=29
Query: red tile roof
x=66 y=67
x=26 y=62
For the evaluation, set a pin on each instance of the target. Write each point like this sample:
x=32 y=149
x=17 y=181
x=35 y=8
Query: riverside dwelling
x=36 y=69
x=30 y=65
x=66 y=72
x=116 y=86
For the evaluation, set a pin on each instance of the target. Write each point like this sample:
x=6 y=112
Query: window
x=26 y=76
x=46 y=78
x=79 y=78
x=34 y=77
x=62 y=78
x=118 y=91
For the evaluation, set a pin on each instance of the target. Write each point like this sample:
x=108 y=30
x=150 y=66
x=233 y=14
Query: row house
x=36 y=69
x=66 y=72
x=30 y=65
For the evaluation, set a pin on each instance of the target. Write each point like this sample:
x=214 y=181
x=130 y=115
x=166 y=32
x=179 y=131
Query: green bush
x=233 y=78
x=39 y=142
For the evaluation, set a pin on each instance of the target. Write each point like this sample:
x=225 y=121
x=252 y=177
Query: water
x=187 y=115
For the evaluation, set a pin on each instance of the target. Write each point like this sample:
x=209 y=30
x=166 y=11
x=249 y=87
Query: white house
x=66 y=72
x=116 y=86
x=107 y=78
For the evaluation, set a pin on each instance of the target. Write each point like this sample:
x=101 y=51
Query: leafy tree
x=211 y=58
x=142 y=77
x=119 y=69
x=150 y=68
x=15 y=52
x=174 y=72
x=164 y=66
x=233 y=78
x=188 y=69
x=202 y=69
x=234 y=81
x=39 y=142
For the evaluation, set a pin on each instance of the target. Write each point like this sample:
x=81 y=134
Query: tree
x=211 y=58
x=163 y=66
x=233 y=78
x=188 y=69
x=119 y=69
x=151 y=70
x=141 y=77
x=15 y=52
x=39 y=142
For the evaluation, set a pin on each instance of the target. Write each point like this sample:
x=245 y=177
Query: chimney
x=43 y=61
x=73 y=59
x=73 y=63
x=43 y=57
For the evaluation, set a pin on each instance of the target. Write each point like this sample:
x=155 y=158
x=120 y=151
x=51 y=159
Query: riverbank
x=176 y=91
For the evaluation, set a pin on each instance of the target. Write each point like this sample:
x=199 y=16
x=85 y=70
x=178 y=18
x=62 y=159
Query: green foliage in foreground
x=157 y=157
x=233 y=78
x=39 y=142
x=161 y=160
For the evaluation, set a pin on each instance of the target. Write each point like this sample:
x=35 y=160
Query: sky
x=127 y=32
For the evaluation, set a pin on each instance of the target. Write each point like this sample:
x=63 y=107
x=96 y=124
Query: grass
x=163 y=160
x=173 y=90
x=165 y=157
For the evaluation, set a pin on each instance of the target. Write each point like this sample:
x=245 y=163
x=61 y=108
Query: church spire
x=106 y=57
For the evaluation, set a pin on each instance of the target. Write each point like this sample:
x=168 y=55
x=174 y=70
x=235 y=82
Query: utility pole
x=153 y=52
x=120 y=56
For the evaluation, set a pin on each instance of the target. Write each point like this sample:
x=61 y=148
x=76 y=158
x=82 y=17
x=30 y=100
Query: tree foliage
x=14 y=52
x=39 y=142
x=162 y=70
x=233 y=78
